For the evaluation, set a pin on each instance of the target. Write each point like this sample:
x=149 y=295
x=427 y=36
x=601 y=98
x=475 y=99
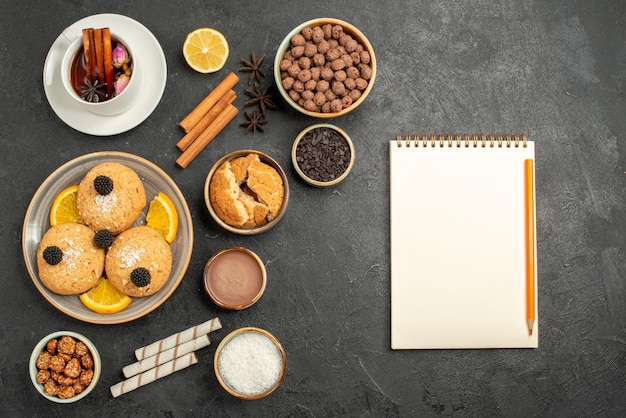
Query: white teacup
x=113 y=106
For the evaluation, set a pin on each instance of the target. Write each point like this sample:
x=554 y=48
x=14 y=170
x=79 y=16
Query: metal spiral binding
x=462 y=140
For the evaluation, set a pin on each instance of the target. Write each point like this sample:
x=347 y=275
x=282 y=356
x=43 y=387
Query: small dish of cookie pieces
x=246 y=192
x=64 y=366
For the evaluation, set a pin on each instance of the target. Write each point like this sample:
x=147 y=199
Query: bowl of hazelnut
x=325 y=68
x=64 y=366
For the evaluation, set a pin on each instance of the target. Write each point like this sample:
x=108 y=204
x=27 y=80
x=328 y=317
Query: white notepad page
x=458 y=247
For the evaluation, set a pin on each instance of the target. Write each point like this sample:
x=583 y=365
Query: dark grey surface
x=555 y=70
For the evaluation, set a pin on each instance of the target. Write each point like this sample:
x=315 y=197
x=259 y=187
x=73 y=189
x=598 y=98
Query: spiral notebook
x=463 y=246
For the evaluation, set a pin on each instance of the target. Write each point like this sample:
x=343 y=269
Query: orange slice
x=205 y=50
x=63 y=209
x=163 y=217
x=105 y=299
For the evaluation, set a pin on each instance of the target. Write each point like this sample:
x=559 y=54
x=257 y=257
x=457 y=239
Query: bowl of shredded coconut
x=250 y=363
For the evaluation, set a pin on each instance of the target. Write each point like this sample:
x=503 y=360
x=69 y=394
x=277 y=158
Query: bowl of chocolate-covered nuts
x=64 y=366
x=325 y=68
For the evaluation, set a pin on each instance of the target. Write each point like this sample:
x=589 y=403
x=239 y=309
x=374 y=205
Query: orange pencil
x=530 y=244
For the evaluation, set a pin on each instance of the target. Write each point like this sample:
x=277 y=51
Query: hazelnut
x=307 y=95
x=366 y=71
x=346 y=101
x=355 y=95
x=323 y=46
x=322 y=86
x=318 y=35
x=311 y=106
x=338 y=64
x=288 y=83
x=310 y=49
x=297 y=40
x=350 y=83
x=294 y=95
x=285 y=64
x=304 y=75
x=351 y=45
x=319 y=98
x=337 y=31
x=361 y=83
x=307 y=33
x=319 y=60
x=297 y=51
x=298 y=86
x=304 y=62
x=338 y=88
x=340 y=75
x=294 y=70
x=365 y=57
x=327 y=74
x=352 y=72
x=328 y=30
x=332 y=54
x=315 y=73
x=310 y=85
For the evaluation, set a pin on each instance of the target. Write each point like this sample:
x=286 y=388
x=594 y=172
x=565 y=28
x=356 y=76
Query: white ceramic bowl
x=348 y=28
x=36 y=223
x=41 y=346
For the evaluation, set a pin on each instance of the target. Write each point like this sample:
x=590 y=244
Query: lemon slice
x=63 y=209
x=205 y=50
x=163 y=217
x=105 y=299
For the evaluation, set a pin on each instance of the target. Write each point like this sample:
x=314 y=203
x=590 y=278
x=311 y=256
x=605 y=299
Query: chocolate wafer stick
x=151 y=375
x=179 y=338
x=165 y=356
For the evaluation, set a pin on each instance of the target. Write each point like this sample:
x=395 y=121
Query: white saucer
x=152 y=58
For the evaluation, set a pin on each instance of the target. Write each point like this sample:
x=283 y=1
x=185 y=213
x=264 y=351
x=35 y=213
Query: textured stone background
x=554 y=69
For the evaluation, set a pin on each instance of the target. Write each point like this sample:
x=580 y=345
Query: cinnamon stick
x=207 y=136
x=108 y=61
x=203 y=107
x=99 y=47
x=206 y=120
x=92 y=53
x=87 y=45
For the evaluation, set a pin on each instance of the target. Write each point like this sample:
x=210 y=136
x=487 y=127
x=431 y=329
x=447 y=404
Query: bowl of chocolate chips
x=325 y=68
x=323 y=155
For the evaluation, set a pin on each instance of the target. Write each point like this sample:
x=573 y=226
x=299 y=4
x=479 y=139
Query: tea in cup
x=98 y=70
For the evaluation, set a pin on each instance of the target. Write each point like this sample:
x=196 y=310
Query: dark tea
x=115 y=64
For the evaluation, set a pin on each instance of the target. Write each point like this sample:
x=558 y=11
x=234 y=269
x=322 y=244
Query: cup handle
x=69 y=35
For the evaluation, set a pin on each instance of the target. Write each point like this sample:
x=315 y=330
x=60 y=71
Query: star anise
x=253 y=67
x=254 y=122
x=93 y=91
x=264 y=98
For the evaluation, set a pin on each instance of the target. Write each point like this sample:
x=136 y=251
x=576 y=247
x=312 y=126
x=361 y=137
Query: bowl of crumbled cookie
x=64 y=366
x=246 y=192
x=325 y=67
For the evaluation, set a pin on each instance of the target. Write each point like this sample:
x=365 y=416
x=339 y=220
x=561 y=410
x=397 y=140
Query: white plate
x=36 y=223
x=145 y=45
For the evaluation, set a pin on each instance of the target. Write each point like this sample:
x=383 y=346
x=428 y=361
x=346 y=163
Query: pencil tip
x=530 y=332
